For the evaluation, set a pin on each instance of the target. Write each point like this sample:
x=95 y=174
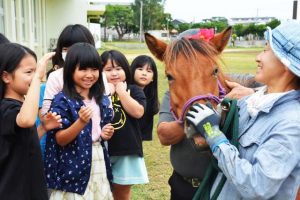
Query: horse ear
x=156 y=46
x=220 y=40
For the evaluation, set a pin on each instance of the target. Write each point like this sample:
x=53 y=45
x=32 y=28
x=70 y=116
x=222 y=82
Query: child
x=74 y=160
x=144 y=74
x=21 y=168
x=70 y=35
x=125 y=147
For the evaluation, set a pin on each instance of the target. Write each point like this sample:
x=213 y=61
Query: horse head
x=192 y=68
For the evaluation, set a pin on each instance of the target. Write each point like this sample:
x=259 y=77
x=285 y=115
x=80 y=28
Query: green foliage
x=218 y=23
x=120 y=18
x=184 y=26
x=273 y=24
x=233 y=39
x=238 y=29
x=260 y=29
x=255 y=29
x=153 y=15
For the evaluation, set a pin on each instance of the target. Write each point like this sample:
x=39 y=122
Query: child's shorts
x=129 y=170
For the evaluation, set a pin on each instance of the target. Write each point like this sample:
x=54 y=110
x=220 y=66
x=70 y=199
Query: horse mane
x=189 y=48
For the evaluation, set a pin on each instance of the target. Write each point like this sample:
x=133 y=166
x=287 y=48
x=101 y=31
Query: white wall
x=60 y=13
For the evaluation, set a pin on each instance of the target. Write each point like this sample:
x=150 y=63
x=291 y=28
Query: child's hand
x=107 y=132
x=121 y=87
x=85 y=114
x=112 y=88
x=42 y=65
x=51 y=121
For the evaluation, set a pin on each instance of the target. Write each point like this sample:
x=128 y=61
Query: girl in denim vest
x=75 y=161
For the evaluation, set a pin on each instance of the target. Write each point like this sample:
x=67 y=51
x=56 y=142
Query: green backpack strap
x=230 y=129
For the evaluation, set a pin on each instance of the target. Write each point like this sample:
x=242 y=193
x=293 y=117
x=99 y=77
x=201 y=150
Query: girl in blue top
x=144 y=74
x=125 y=147
x=74 y=159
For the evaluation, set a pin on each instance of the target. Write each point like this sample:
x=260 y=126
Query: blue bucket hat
x=285 y=43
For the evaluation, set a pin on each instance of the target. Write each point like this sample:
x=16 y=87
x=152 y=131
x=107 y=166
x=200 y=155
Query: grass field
x=157 y=156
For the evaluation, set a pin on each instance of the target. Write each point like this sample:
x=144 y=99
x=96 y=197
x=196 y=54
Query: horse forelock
x=189 y=49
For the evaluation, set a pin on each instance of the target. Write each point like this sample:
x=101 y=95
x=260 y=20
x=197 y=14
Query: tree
x=273 y=24
x=217 y=23
x=233 y=39
x=260 y=29
x=153 y=14
x=120 y=18
x=182 y=27
x=238 y=29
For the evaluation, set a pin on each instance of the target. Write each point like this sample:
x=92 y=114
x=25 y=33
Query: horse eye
x=169 y=77
x=216 y=71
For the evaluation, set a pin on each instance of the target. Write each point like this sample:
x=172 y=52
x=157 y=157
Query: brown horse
x=192 y=69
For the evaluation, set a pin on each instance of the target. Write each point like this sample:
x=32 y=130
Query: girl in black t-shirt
x=144 y=74
x=21 y=168
x=125 y=146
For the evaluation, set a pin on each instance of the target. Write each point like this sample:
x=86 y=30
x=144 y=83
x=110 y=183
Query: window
x=34 y=18
x=1 y=17
x=23 y=20
x=15 y=10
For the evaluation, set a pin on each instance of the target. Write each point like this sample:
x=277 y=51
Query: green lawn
x=239 y=60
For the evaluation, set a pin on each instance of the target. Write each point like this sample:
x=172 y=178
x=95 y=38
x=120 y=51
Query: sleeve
x=246 y=80
x=165 y=114
x=138 y=94
x=8 y=121
x=42 y=91
x=273 y=161
x=53 y=86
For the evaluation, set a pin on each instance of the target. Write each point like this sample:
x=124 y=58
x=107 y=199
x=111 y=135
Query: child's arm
x=50 y=121
x=65 y=136
x=29 y=110
x=131 y=106
x=107 y=132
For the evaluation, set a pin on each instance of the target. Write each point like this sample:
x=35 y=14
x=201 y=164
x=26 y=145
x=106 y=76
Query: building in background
x=38 y=23
x=250 y=20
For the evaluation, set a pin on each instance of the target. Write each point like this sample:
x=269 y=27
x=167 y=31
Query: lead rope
x=230 y=129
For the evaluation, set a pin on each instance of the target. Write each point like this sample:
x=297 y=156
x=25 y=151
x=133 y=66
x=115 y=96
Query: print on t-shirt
x=120 y=116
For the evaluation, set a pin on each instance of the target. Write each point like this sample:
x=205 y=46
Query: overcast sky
x=196 y=10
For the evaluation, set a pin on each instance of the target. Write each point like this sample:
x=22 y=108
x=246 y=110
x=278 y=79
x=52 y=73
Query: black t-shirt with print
x=126 y=139
x=21 y=168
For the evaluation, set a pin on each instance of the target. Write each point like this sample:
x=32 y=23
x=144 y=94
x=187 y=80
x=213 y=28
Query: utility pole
x=141 y=21
x=295 y=6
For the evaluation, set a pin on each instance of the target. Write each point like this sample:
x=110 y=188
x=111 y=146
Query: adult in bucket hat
x=266 y=163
